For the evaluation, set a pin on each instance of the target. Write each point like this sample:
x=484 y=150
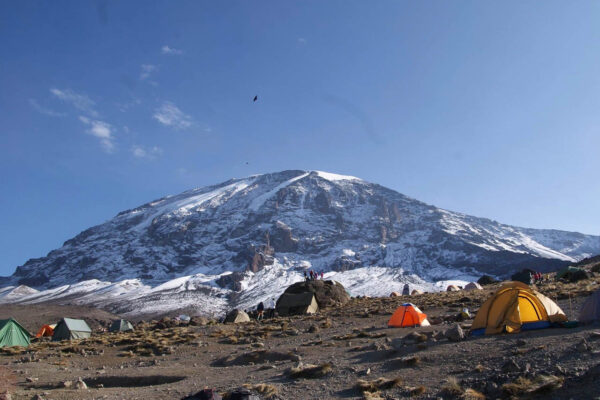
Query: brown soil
x=340 y=353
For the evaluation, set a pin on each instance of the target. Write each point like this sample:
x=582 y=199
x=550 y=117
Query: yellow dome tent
x=515 y=307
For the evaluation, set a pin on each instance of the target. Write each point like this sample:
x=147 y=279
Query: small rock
x=595 y=335
x=67 y=384
x=521 y=342
x=368 y=371
x=36 y=397
x=510 y=366
x=583 y=346
x=455 y=334
x=415 y=337
x=30 y=379
x=80 y=384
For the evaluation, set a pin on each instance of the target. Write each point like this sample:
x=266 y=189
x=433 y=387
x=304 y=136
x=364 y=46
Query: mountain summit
x=289 y=221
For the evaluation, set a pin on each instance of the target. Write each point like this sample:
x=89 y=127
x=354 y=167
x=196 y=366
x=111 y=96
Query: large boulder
x=487 y=280
x=327 y=293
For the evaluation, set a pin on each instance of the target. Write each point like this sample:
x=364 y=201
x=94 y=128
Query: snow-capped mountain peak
x=233 y=241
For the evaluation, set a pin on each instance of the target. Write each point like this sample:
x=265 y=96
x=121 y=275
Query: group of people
x=313 y=276
x=537 y=277
x=260 y=309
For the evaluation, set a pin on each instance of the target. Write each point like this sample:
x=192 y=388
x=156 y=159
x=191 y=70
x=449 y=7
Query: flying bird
x=255 y=98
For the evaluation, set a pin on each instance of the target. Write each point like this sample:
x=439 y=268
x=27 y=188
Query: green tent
x=120 y=325
x=69 y=328
x=571 y=274
x=13 y=334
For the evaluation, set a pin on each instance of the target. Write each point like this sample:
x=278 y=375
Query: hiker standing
x=322 y=274
x=260 y=309
x=271 y=308
x=305 y=276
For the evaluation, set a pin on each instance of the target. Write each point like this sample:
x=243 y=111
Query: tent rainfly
x=516 y=307
x=237 y=316
x=590 y=310
x=120 y=325
x=408 y=315
x=69 y=328
x=473 y=286
x=452 y=288
x=46 y=330
x=13 y=334
x=297 y=304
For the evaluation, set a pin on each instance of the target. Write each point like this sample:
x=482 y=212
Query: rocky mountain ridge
x=248 y=237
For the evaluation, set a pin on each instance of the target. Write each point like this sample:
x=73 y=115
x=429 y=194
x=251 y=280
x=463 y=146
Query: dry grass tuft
x=326 y=324
x=417 y=391
x=452 y=388
x=411 y=361
x=372 y=396
x=541 y=384
x=479 y=368
x=377 y=384
x=309 y=371
x=471 y=394
x=264 y=389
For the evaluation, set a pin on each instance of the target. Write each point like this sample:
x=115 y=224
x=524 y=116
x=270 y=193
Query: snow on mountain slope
x=242 y=241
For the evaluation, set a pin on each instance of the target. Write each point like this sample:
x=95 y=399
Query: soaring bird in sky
x=255 y=98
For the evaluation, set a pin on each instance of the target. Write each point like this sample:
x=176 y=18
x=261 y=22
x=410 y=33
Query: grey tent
x=297 y=304
x=590 y=310
x=120 y=325
x=69 y=328
x=237 y=316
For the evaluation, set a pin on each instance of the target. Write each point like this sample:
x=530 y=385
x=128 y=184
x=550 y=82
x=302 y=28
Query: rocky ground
x=343 y=352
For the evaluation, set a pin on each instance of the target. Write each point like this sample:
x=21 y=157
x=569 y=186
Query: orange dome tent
x=46 y=330
x=407 y=315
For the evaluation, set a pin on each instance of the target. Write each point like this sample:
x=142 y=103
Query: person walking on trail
x=271 y=308
x=260 y=309
x=322 y=274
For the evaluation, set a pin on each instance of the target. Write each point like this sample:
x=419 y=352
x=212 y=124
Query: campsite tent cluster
x=514 y=307
x=13 y=334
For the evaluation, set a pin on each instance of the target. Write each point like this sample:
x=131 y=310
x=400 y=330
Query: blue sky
x=488 y=108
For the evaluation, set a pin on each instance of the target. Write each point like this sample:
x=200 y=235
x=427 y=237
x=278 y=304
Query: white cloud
x=43 y=110
x=302 y=41
x=124 y=107
x=147 y=70
x=169 y=115
x=79 y=101
x=141 y=152
x=102 y=131
x=170 y=50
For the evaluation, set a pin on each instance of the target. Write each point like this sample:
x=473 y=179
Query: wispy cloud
x=43 y=110
x=80 y=101
x=101 y=130
x=169 y=115
x=147 y=70
x=170 y=50
x=148 y=153
x=124 y=107
x=302 y=41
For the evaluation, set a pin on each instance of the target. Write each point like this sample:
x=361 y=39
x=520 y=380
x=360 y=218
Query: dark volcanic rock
x=327 y=293
x=281 y=238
